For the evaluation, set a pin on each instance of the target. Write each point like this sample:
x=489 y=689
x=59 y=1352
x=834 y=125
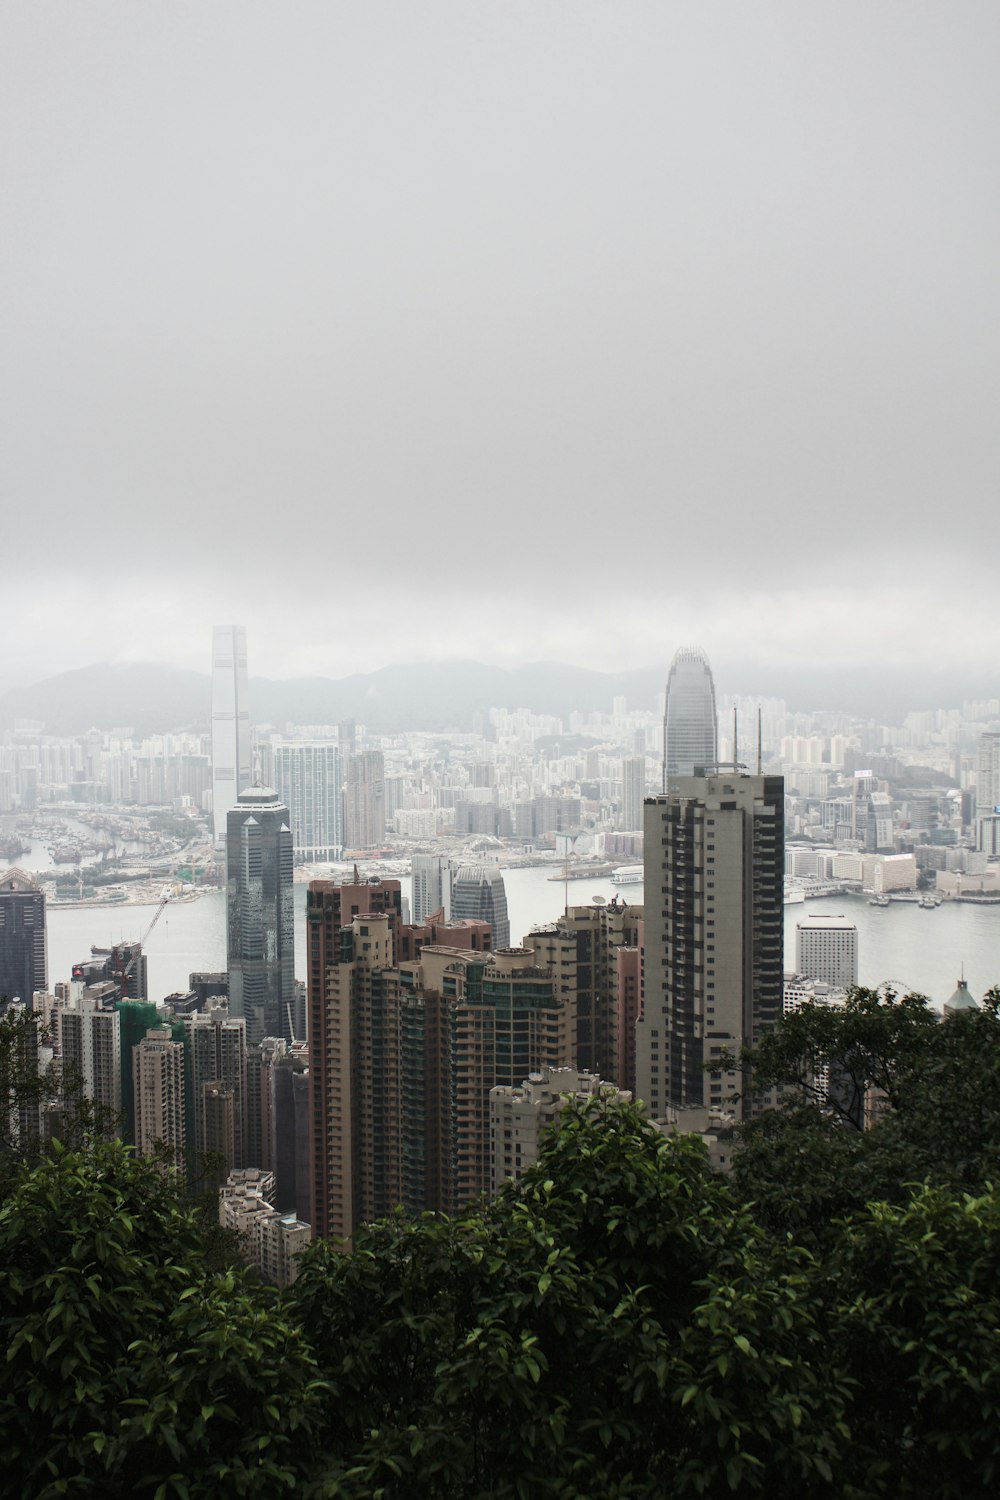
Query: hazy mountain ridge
x=435 y=696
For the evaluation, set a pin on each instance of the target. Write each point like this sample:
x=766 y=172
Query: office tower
x=988 y=793
x=217 y=1060
x=260 y=917
x=690 y=728
x=231 y=765
x=521 y=1115
x=714 y=875
x=22 y=936
x=90 y=1048
x=826 y=948
x=160 y=1114
x=594 y=952
x=478 y=894
x=364 y=800
x=431 y=886
x=633 y=791
x=331 y=908
x=308 y=780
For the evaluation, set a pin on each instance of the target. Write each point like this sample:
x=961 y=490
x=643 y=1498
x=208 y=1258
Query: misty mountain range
x=152 y=698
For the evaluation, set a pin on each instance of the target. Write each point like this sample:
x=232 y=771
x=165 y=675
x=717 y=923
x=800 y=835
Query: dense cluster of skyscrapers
x=424 y=1053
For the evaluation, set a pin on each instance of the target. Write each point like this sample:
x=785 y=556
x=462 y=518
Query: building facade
x=478 y=894
x=431 y=892
x=712 y=934
x=826 y=949
x=364 y=800
x=690 y=722
x=520 y=1116
x=22 y=936
x=231 y=764
x=260 y=915
x=308 y=779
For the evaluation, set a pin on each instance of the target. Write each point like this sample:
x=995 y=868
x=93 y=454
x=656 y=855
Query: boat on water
x=793 y=894
x=881 y=900
x=628 y=875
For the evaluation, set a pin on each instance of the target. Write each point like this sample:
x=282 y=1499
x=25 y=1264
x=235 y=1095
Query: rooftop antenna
x=758 y=739
x=735 y=755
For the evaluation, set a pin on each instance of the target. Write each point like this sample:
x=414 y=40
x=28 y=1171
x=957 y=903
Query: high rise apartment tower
x=690 y=725
x=260 y=915
x=714 y=858
x=22 y=936
x=633 y=791
x=364 y=800
x=231 y=764
x=309 y=781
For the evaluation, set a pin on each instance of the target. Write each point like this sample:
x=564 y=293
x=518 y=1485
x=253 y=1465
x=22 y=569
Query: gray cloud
x=634 y=311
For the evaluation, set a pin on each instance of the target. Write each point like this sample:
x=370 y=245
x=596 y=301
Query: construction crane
x=122 y=976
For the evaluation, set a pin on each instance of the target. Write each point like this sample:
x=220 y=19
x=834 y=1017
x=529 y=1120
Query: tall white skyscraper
x=690 y=724
x=713 y=933
x=309 y=780
x=231 y=766
x=432 y=875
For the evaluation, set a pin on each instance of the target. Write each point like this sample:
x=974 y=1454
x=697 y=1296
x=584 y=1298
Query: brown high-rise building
x=584 y=946
x=330 y=909
x=403 y=1056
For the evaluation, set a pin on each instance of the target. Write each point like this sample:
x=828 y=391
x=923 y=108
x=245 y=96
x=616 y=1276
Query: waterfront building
x=521 y=1115
x=364 y=800
x=259 y=911
x=22 y=936
x=479 y=894
x=432 y=874
x=231 y=764
x=713 y=933
x=826 y=949
x=633 y=791
x=308 y=779
x=988 y=792
x=690 y=725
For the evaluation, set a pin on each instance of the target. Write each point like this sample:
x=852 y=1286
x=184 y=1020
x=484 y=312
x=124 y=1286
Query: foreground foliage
x=621 y=1324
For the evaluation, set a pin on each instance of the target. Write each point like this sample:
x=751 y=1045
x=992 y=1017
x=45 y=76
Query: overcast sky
x=524 y=331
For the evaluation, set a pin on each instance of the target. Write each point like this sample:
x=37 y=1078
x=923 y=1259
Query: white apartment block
x=520 y=1116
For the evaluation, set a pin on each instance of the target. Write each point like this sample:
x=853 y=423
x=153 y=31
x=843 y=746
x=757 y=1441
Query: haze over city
x=520 y=332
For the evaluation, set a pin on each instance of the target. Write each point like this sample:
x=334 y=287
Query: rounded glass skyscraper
x=690 y=727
